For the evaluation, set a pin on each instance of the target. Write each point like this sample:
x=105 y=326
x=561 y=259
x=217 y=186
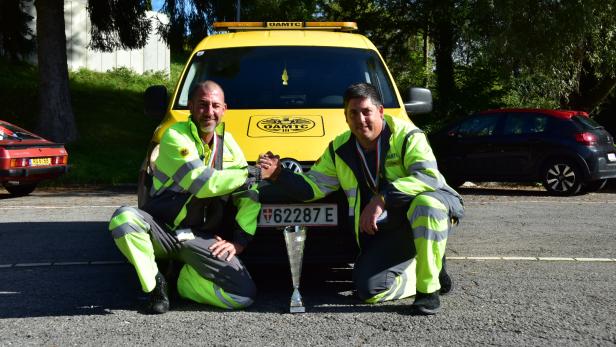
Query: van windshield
x=286 y=76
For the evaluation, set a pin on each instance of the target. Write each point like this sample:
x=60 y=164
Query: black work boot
x=445 y=280
x=427 y=304
x=158 y=302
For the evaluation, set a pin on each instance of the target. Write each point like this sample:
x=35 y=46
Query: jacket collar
x=348 y=153
x=194 y=131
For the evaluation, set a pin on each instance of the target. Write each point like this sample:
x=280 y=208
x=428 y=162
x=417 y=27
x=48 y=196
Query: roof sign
x=246 y=26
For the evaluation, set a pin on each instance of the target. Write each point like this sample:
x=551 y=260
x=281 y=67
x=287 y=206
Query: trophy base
x=297 y=309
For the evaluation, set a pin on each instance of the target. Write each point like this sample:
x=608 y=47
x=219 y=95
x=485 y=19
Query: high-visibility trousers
x=406 y=255
x=203 y=278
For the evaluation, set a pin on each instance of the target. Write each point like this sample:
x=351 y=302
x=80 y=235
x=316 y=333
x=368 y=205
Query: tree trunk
x=591 y=91
x=56 y=119
x=443 y=38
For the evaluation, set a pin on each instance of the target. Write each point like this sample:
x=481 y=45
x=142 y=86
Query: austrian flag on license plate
x=298 y=214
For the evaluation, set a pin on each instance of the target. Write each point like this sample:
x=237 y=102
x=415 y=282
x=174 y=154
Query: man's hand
x=368 y=217
x=220 y=247
x=270 y=166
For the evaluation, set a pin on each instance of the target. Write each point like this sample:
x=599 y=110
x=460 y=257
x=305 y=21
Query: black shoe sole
x=424 y=311
x=157 y=310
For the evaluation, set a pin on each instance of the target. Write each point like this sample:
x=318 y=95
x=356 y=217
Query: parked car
x=26 y=159
x=565 y=150
x=284 y=85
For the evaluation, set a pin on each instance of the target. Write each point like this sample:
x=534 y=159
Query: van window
x=286 y=76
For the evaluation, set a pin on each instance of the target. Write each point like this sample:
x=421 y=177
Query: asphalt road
x=529 y=270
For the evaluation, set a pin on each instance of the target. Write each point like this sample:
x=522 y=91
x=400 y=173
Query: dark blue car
x=565 y=150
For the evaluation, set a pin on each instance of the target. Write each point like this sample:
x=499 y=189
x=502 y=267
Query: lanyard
x=372 y=181
x=214 y=150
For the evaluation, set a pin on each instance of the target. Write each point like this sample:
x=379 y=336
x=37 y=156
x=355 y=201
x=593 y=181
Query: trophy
x=294 y=237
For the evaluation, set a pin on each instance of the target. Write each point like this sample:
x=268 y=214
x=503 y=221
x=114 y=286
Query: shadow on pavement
x=60 y=269
x=65 y=290
x=76 y=290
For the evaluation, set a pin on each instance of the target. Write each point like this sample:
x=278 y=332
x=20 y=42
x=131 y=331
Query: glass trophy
x=294 y=237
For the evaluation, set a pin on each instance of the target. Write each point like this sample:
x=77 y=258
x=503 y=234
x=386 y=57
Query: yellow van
x=283 y=84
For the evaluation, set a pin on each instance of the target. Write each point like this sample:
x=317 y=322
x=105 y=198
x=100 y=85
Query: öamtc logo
x=285 y=124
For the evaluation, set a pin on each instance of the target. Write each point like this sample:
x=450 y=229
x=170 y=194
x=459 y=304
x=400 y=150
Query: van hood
x=302 y=135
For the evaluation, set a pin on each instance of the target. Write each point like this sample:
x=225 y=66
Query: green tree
x=115 y=23
x=191 y=20
x=15 y=36
x=118 y=24
x=565 y=47
x=399 y=40
x=415 y=37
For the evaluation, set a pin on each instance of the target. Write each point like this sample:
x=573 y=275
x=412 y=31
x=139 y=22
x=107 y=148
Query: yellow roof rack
x=246 y=26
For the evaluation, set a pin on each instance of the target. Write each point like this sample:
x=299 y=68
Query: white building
x=154 y=56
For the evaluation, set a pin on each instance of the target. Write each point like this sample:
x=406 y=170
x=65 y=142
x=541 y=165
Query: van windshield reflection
x=287 y=77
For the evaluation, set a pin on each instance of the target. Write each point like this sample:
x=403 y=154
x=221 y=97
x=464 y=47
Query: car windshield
x=11 y=132
x=286 y=76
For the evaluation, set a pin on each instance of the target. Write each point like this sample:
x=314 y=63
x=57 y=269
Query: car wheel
x=594 y=186
x=562 y=177
x=21 y=189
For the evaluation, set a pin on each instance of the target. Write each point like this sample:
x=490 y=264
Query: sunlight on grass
x=108 y=107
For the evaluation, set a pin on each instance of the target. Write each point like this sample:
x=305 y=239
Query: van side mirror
x=155 y=102
x=420 y=101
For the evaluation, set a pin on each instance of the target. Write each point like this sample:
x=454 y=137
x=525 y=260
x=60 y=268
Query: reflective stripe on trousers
x=430 y=225
x=203 y=278
x=131 y=235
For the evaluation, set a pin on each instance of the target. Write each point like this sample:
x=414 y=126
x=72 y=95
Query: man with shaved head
x=199 y=169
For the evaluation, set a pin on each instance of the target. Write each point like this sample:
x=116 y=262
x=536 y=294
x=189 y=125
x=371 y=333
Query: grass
x=108 y=107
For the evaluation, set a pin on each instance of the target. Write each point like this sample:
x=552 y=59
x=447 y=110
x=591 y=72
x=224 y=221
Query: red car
x=26 y=159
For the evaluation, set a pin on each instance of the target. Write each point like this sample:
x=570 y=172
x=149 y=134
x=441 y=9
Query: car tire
x=21 y=189
x=562 y=177
x=594 y=186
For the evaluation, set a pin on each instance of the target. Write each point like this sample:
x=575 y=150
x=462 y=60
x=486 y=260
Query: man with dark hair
x=183 y=218
x=402 y=207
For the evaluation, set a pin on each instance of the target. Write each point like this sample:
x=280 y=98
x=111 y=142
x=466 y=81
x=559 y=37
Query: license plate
x=298 y=214
x=611 y=156
x=40 y=161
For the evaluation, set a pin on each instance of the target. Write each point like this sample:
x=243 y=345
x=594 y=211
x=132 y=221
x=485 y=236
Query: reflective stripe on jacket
x=181 y=168
x=408 y=168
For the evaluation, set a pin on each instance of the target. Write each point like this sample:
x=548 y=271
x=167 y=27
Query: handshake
x=270 y=166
